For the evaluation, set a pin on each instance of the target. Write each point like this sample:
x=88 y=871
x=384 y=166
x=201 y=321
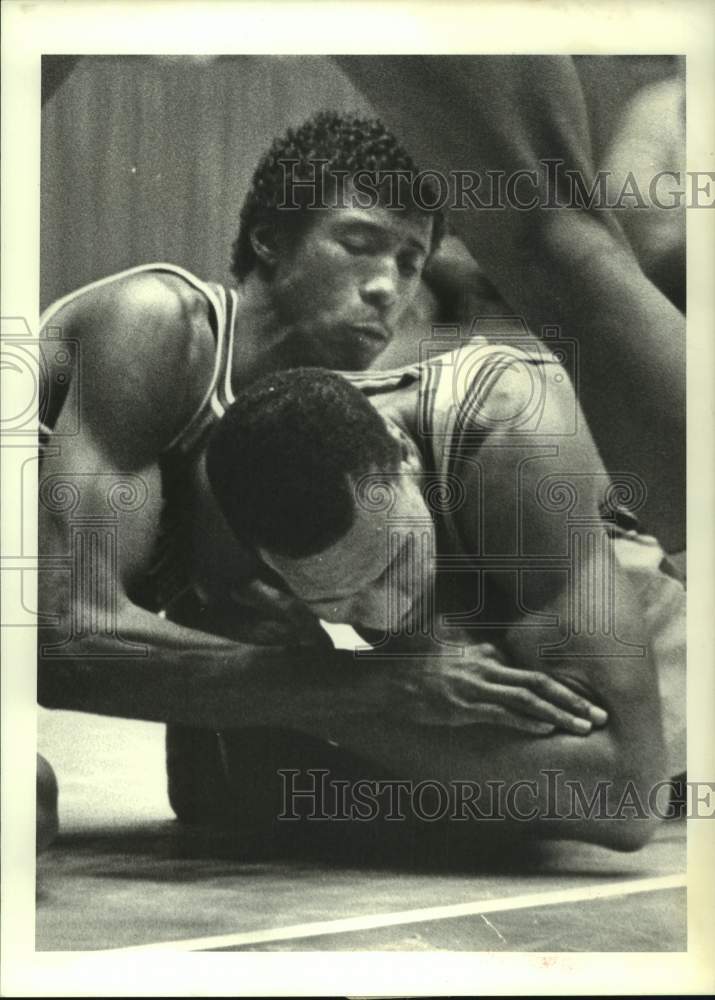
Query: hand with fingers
x=479 y=687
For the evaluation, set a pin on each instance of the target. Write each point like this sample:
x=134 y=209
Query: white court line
x=372 y=921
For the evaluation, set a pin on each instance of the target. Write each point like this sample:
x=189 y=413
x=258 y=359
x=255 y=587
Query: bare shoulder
x=146 y=356
x=530 y=427
x=149 y=310
x=521 y=391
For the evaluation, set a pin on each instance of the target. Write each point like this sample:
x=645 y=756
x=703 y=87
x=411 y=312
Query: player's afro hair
x=328 y=144
x=283 y=460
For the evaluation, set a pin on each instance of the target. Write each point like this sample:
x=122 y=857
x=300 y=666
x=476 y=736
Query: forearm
x=630 y=748
x=156 y=670
x=584 y=787
x=507 y=783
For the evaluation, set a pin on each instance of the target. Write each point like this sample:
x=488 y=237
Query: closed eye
x=358 y=245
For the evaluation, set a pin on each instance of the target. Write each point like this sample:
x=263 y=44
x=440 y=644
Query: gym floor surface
x=123 y=874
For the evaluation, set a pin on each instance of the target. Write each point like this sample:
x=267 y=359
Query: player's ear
x=264 y=240
x=410 y=458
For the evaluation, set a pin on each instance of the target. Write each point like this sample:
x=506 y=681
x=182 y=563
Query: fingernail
x=597 y=715
x=582 y=725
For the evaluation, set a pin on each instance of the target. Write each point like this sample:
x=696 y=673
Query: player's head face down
x=310 y=474
x=377 y=575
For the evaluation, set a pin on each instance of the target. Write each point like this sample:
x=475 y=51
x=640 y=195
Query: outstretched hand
x=479 y=687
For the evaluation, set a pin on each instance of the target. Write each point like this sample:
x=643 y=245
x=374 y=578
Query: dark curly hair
x=283 y=459
x=322 y=147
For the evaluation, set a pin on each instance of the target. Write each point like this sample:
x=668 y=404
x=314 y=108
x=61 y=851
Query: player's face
x=377 y=575
x=342 y=286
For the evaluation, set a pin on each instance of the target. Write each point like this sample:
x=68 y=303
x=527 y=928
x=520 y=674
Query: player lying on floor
x=463 y=501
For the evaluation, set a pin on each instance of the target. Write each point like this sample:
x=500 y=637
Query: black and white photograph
x=347 y=554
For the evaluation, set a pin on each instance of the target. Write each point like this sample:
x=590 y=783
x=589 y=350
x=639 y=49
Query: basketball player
x=529 y=552
x=161 y=354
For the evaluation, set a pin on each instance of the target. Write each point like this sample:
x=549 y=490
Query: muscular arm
x=109 y=656
x=597 y=641
x=100 y=501
x=142 y=374
x=622 y=759
x=571 y=267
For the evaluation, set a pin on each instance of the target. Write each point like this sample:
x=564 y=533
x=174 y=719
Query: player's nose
x=380 y=289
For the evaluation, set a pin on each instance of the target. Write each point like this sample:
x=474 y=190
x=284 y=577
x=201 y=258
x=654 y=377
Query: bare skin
x=570 y=267
x=146 y=357
x=358 y=273
x=627 y=749
x=202 y=679
x=650 y=140
x=191 y=675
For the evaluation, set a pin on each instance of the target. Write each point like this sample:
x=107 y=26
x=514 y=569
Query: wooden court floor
x=124 y=875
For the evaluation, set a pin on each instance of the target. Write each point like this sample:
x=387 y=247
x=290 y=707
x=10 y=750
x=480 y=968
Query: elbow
x=52 y=670
x=63 y=654
x=629 y=820
x=625 y=799
x=636 y=810
x=54 y=683
x=631 y=834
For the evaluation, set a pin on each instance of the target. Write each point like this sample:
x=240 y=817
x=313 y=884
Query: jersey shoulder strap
x=219 y=393
x=222 y=305
x=455 y=390
x=372 y=381
x=453 y=414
